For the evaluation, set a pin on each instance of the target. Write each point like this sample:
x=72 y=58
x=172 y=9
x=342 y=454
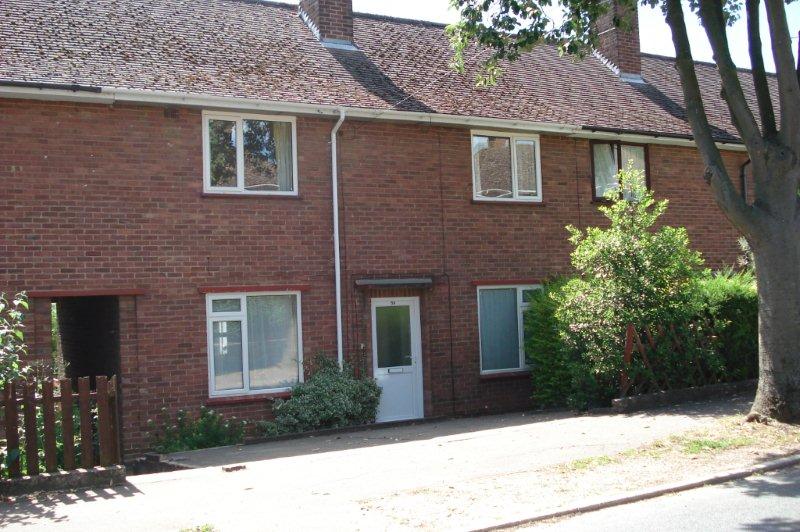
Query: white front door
x=396 y=357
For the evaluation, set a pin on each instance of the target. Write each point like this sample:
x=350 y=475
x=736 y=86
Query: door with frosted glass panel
x=396 y=357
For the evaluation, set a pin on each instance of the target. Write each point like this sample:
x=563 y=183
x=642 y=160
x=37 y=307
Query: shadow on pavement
x=774 y=524
x=19 y=510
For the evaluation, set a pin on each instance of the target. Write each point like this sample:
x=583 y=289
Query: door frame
x=416 y=345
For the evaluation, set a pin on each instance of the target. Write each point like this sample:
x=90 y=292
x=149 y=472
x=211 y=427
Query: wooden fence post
x=104 y=421
x=84 y=404
x=12 y=427
x=49 y=417
x=31 y=439
x=67 y=424
x=115 y=420
x=67 y=428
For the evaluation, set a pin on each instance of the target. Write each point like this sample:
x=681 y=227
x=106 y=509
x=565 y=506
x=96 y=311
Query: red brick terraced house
x=213 y=191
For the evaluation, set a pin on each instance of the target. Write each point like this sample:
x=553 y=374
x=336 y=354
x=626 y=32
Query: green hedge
x=721 y=331
x=730 y=301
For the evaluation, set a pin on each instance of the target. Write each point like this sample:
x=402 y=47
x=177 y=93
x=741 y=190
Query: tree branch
x=760 y=82
x=788 y=86
x=711 y=15
x=717 y=176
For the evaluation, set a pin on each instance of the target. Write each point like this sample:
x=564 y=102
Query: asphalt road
x=769 y=502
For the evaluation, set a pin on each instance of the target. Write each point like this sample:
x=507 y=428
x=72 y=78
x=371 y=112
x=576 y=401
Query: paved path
x=361 y=480
x=766 y=503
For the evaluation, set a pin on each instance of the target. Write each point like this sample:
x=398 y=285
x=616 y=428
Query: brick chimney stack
x=620 y=47
x=330 y=20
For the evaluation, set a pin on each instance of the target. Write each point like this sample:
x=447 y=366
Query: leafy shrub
x=730 y=301
x=209 y=429
x=630 y=273
x=552 y=362
x=12 y=345
x=330 y=398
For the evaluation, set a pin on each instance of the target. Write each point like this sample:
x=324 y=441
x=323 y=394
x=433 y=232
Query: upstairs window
x=608 y=158
x=249 y=154
x=506 y=167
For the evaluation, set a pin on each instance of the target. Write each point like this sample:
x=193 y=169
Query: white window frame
x=239 y=118
x=513 y=138
x=241 y=315
x=522 y=306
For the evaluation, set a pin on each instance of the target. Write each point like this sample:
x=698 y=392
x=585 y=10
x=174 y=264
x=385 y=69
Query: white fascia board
x=61 y=95
x=110 y=95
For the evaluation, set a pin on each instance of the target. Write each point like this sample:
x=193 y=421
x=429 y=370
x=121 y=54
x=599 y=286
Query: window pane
x=222 y=152
x=272 y=341
x=526 y=168
x=492 y=162
x=527 y=294
x=268 y=155
x=227 y=348
x=499 y=329
x=393 y=332
x=633 y=155
x=605 y=168
x=226 y=305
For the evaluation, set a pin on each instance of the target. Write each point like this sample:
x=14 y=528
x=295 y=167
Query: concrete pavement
x=371 y=480
x=769 y=502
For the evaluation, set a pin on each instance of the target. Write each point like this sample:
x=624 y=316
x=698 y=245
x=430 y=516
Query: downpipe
x=337 y=265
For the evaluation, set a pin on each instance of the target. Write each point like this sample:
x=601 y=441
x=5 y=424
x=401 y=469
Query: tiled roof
x=252 y=49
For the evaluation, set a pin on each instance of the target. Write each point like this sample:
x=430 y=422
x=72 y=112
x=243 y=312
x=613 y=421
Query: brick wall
x=333 y=18
x=110 y=197
x=620 y=45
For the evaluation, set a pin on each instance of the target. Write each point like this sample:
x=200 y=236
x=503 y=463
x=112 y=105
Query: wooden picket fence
x=637 y=347
x=97 y=435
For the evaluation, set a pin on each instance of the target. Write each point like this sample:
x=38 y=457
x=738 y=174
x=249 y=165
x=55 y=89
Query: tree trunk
x=777 y=258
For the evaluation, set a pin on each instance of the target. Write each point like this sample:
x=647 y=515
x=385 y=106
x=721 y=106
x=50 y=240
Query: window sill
x=506 y=375
x=532 y=203
x=245 y=399
x=247 y=195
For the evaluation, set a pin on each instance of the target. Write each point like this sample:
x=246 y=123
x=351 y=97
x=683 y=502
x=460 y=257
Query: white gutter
x=110 y=95
x=336 y=259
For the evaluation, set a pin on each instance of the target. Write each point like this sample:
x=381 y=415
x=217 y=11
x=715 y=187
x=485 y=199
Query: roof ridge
x=401 y=20
x=358 y=14
x=696 y=62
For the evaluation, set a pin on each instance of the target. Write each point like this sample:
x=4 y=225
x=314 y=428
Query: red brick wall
x=620 y=45
x=333 y=18
x=110 y=197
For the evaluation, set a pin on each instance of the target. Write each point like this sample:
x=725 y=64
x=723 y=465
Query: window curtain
x=633 y=156
x=272 y=341
x=283 y=154
x=227 y=345
x=605 y=169
x=499 y=329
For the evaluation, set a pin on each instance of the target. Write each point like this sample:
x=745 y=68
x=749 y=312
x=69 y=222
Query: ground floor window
x=500 y=322
x=254 y=342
